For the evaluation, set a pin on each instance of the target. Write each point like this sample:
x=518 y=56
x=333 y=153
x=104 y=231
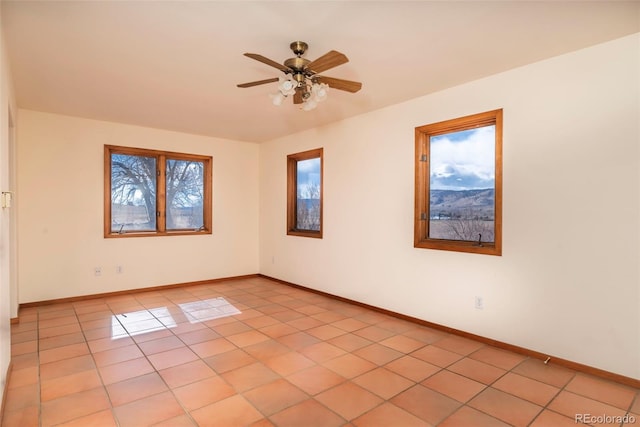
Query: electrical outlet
x=97 y=271
x=479 y=303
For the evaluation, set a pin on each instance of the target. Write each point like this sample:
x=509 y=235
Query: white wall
x=8 y=296
x=60 y=186
x=568 y=282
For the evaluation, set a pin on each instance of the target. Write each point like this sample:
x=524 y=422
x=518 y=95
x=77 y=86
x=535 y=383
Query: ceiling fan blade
x=267 y=61
x=297 y=97
x=328 y=60
x=340 y=84
x=259 y=82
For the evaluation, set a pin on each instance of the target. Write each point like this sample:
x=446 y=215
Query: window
x=304 y=194
x=156 y=193
x=458 y=189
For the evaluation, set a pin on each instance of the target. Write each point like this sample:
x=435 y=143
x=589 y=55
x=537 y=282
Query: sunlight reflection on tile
x=160 y=312
x=117 y=330
x=140 y=322
x=158 y=318
x=212 y=308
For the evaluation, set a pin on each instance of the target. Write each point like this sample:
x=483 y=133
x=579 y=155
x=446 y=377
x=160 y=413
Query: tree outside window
x=149 y=192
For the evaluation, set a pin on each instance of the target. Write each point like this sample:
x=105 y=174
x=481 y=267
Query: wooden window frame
x=422 y=182
x=292 y=197
x=161 y=158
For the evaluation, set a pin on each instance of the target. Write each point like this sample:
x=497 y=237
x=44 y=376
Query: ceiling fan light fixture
x=309 y=104
x=302 y=79
x=287 y=86
x=319 y=91
x=277 y=98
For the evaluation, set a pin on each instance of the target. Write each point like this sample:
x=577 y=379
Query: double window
x=458 y=190
x=304 y=194
x=150 y=192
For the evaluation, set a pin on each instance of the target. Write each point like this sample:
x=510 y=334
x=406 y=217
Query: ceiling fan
x=302 y=79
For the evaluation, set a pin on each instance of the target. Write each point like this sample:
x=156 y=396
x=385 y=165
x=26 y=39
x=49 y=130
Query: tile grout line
x=145 y=356
x=104 y=387
x=186 y=411
x=249 y=304
x=309 y=396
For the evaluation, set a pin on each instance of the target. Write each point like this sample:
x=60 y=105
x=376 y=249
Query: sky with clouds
x=463 y=160
x=308 y=174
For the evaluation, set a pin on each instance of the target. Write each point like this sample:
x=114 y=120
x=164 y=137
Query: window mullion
x=142 y=191
x=161 y=199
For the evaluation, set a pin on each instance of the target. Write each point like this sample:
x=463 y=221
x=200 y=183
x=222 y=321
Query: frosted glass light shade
x=319 y=91
x=277 y=98
x=287 y=86
x=309 y=105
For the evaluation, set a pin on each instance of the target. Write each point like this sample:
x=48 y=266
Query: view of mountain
x=462 y=204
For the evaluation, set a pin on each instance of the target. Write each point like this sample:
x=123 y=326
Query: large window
x=304 y=194
x=458 y=189
x=152 y=193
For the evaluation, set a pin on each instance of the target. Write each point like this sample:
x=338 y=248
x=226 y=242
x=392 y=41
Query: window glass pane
x=185 y=194
x=133 y=193
x=462 y=185
x=308 y=194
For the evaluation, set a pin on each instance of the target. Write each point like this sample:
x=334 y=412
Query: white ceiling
x=175 y=64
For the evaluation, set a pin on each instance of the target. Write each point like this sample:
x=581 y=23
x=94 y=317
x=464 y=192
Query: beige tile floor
x=257 y=352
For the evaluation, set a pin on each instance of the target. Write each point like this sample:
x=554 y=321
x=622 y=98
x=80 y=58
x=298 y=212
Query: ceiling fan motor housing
x=298 y=65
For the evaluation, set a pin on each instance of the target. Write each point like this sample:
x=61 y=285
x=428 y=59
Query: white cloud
x=463 y=160
x=310 y=165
